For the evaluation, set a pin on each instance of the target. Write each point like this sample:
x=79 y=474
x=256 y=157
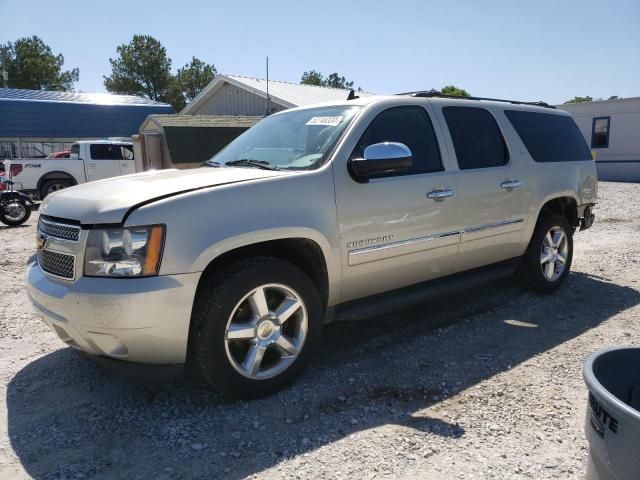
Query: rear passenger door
x=392 y=233
x=491 y=183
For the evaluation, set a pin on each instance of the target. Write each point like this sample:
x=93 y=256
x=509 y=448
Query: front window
x=295 y=140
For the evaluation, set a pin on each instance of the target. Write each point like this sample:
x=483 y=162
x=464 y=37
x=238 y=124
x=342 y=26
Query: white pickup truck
x=89 y=161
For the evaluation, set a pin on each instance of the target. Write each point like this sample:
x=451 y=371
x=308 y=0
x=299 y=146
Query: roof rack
x=435 y=94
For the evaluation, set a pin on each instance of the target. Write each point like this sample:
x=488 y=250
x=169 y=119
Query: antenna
x=268 y=112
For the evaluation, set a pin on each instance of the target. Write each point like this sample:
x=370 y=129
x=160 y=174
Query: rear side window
x=409 y=125
x=111 y=152
x=476 y=137
x=549 y=137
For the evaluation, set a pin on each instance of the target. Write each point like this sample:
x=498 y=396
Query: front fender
x=253 y=237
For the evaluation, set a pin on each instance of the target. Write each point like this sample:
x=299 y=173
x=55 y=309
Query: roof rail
x=435 y=94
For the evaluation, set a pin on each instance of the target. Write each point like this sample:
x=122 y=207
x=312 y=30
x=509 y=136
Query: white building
x=612 y=130
x=236 y=95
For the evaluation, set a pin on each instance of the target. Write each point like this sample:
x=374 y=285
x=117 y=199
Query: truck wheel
x=547 y=261
x=254 y=326
x=53 y=186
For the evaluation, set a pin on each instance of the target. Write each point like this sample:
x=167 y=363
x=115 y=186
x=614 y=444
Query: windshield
x=295 y=140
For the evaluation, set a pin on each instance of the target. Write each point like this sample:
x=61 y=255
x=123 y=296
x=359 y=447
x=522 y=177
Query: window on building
x=409 y=125
x=600 y=132
x=476 y=137
x=549 y=137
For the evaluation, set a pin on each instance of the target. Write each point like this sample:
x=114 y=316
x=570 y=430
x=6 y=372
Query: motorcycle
x=15 y=207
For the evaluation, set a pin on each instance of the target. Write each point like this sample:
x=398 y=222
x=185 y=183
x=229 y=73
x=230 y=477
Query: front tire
x=548 y=258
x=254 y=326
x=15 y=212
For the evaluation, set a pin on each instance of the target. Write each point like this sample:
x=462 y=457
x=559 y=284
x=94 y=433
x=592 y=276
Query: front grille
x=58 y=264
x=70 y=233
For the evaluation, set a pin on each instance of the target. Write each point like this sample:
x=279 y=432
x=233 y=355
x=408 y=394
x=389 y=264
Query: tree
x=142 y=68
x=336 y=81
x=189 y=81
x=333 y=81
x=580 y=100
x=312 y=78
x=454 y=91
x=30 y=63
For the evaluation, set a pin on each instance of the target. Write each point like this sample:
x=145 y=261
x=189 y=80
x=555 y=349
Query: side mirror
x=382 y=158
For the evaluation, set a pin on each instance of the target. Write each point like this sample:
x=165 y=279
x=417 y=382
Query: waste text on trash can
x=600 y=418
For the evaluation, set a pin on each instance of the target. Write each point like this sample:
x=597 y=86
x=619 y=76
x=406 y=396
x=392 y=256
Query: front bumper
x=143 y=320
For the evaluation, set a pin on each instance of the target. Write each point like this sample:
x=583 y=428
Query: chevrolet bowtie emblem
x=41 y=241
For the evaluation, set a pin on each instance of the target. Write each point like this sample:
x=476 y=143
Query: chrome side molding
x=413 y=245
x=402 y=247
x=488 y=226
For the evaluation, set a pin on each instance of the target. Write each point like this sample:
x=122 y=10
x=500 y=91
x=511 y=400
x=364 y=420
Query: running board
x=387 y=302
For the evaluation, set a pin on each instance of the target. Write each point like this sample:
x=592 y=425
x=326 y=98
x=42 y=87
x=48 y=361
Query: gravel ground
x=488 y=388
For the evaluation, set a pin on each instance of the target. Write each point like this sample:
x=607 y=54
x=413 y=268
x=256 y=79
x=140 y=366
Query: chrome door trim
x=402 y=247
x=488 y=226
x=478 y=232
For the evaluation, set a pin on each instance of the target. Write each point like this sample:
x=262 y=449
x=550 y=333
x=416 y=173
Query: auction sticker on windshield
x=327 y=121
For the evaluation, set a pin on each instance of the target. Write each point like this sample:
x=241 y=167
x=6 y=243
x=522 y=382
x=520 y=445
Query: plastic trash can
x=613 y=414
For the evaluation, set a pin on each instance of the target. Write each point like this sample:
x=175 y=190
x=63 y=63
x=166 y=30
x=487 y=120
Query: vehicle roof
x=443 y=101
x=111 y=142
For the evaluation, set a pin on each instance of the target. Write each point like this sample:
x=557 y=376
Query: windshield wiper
x=211 y=163
x=247 y=162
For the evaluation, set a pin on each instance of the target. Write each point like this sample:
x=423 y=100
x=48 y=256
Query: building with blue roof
x=36 y=123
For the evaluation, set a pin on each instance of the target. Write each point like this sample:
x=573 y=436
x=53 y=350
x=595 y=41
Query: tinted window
x=549 y=137
x=600 y=132
x=105 y=151
x=409 y=125
x=476 y=137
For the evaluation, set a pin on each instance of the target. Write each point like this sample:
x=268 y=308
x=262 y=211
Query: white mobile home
x=612 y=130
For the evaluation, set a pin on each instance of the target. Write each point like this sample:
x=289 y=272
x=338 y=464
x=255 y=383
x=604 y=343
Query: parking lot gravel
x=485 y=384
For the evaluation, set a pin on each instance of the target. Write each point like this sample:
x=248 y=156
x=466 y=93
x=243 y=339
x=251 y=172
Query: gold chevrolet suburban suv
x=333 y=211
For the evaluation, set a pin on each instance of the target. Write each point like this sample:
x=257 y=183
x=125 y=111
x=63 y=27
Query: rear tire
x=249 y=338
x=53 y=186
x=547 y=261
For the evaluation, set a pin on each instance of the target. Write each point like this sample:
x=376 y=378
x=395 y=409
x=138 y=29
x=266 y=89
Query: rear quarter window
x=549 y=137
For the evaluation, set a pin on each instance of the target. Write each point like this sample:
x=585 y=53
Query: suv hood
x=108 y=201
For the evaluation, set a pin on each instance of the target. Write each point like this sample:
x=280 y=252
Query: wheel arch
x=55 y=175
x=302 y=251
x=565 y=205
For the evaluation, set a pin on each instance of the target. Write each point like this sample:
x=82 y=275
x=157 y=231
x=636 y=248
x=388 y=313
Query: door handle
x=439 y=195
x=510 y=184
x=91 y=164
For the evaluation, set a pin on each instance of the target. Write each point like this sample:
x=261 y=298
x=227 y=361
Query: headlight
x=124 y=252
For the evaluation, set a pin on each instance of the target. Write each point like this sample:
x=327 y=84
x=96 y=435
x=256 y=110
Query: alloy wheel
x=553 y=256
x=266 y=331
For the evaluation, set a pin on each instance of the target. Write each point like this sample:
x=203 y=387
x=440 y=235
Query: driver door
x=393 y=230
x=104 y=161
